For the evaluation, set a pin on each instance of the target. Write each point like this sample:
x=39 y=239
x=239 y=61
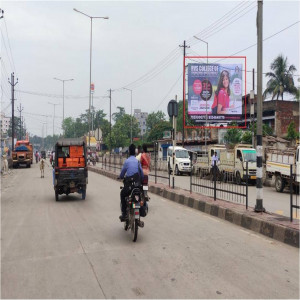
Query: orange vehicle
x=22 y=154
x=70 y=170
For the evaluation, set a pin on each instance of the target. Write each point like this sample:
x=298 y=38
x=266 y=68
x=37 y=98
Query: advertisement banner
x=215 y=91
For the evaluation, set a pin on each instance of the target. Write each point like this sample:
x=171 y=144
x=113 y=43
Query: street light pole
x=206 y=88
x=63 y=81
x=130 y=114
x=89 y=115
x=54 y=104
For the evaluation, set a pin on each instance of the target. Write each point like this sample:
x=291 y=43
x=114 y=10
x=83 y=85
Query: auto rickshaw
x=70 y=171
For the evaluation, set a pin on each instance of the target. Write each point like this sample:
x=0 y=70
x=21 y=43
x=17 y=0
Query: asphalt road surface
x=78 y=248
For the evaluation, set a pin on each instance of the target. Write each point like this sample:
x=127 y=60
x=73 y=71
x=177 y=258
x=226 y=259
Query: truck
x=203 y=164
x=22 y=154
x=182 y=161
x=233 y=163
x=278 y=164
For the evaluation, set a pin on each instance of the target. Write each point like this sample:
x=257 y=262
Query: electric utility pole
x=183 y=96
x=259 y=188
x=13 y=84
x=20 y=111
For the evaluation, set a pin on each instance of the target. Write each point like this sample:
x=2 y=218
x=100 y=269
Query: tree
x=188 y=121
x=118 y=115
x=17 y=128
x=158 y=131
x=266 y=129
x=247 y=137
x=155 y=118
x=233 y=136
x=281 y=80
x=120 y=132
x=292 y=134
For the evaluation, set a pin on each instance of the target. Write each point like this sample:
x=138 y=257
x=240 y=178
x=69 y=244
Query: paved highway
x=78 y=249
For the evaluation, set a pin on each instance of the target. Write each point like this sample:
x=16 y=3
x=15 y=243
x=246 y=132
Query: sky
x=136 y=48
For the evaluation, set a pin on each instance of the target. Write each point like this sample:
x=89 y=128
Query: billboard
x=214 y=92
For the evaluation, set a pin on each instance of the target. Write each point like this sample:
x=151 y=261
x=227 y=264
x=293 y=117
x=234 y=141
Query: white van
x=182 y=160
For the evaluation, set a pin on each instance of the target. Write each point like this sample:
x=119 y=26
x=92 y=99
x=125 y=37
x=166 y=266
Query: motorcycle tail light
x=142 y=202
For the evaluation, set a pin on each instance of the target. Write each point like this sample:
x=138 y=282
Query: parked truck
x=278 y=164
x=233 y=163
x=203 y=164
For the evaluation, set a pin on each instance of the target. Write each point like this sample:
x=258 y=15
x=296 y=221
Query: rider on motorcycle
x=131 y=168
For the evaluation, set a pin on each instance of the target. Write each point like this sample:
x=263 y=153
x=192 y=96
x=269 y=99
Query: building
x=142 y=119
x=4 y=123
x=278 y=114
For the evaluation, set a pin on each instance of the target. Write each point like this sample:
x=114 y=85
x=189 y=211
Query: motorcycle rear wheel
x=134 y=229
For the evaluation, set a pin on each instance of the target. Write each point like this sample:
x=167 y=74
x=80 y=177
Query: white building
x=4 y=123
x=142 y=119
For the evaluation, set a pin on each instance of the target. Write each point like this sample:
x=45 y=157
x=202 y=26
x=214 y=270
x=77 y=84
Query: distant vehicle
x=43 y=154
x=182 y=161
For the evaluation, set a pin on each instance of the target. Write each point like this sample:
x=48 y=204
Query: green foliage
x=233 y=136
x=120 y=132
x=247 y=137
x=158 y=130
x=281 y=79
x=118 y=115
x=179 y=124
x=155 y=118
x=49 y=142
x=17 y=129
x=266 y=129
x=292 y=134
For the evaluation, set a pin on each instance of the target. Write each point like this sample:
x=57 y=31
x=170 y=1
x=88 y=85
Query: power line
x=217 y=21
x=9 y=46
x=224 y=21
x=263 y=41
x=171 y=57
x=170 y=90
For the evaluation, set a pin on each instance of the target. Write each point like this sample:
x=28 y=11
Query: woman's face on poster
x=225 y=81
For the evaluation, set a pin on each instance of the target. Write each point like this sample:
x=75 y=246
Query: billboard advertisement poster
x=215 y=91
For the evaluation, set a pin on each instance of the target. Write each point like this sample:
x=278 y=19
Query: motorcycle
x=136 y=207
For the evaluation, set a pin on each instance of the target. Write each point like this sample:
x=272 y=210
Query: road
x=273 y=201
x=78 y=249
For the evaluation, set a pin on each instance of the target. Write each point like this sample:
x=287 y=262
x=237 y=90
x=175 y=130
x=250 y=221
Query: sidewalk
x=269 y=224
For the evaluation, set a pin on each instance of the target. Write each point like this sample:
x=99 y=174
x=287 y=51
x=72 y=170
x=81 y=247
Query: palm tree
x=281 y=80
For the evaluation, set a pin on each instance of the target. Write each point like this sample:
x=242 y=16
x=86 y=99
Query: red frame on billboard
x=187 y=57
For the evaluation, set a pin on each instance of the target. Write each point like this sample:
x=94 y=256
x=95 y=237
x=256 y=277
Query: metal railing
x=217 y=185
x=293 y=187
x=220 y=185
